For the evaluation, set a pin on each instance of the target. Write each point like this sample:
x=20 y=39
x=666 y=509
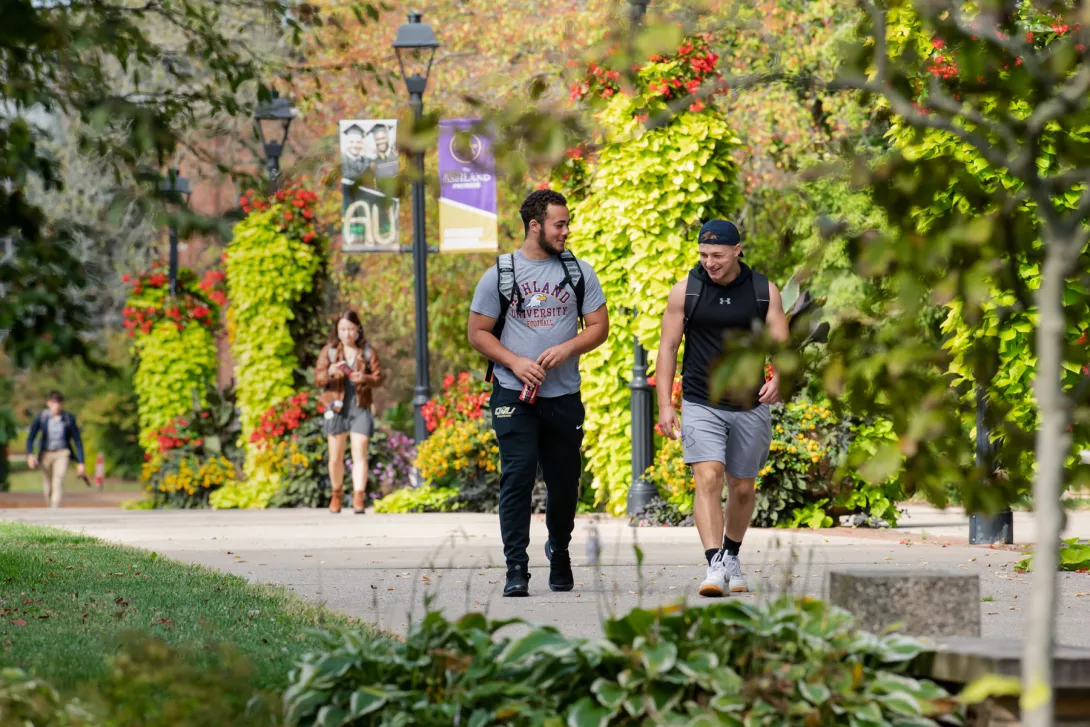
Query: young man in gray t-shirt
x=540 y=345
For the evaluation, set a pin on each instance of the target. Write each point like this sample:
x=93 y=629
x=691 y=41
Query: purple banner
x=467 y=188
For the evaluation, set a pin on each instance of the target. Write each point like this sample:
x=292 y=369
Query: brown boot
x=357 y=503
x=335 y=502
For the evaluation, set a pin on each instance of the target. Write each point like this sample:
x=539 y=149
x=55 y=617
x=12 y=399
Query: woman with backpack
x=347 y=370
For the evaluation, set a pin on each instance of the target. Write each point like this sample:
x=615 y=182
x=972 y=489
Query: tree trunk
x=1053 y=443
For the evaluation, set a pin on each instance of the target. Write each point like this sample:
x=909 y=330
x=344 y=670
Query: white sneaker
x=715 y=584
x=733 y=567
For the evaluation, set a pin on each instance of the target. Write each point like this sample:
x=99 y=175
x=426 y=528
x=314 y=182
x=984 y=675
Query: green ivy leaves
x=173 y=365
x=649 y=192
x=268 y=272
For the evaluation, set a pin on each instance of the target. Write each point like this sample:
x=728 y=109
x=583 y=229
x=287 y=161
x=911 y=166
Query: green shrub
x=174 y=343
x=273 y=262
x=731 y=663
x=420 y=499
x=197 y=453
x=807 y=480
x=149 y=684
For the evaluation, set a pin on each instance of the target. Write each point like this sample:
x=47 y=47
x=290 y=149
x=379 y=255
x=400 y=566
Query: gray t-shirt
x=549 y=317
x=54 y=434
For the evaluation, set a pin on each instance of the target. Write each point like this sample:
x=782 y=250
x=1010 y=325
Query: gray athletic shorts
x=738 y=439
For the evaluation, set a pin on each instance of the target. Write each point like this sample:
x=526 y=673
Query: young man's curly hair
x=536 y=204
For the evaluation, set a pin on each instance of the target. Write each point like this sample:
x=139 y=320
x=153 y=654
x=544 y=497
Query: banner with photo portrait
x=369 y=168
x=467 y=188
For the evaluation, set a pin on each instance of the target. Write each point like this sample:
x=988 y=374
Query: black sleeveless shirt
x=723 y=310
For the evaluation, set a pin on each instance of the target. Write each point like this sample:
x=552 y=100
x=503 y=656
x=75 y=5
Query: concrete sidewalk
x=954 y=522
x=381 y=567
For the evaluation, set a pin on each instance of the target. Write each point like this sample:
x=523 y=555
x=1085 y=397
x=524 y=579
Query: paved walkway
x=381 y=567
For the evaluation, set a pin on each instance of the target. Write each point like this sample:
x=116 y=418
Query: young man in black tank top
x=729 y=437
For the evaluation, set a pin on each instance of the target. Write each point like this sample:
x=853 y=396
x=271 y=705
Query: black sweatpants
x=549 y=431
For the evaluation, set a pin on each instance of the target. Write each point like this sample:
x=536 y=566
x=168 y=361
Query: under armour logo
x=724 y=301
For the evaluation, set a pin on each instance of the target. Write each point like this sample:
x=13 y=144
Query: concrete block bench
x=943 y=608
x=957 y=661
x=926 y=602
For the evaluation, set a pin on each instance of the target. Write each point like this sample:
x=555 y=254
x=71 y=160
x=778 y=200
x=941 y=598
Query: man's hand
x=32 y=461
x=527 y=371
x=770 y=392
x=668 y=424
x=356 y=377
x=80 y=469
x=552 y=357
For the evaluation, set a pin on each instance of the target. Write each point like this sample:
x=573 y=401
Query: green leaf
x=540 y=640
x=659 y=658
x=588 y=713
x=815 y=693
x=331 y=715
x=365 y=701
x=610 y=694
x=990 y=685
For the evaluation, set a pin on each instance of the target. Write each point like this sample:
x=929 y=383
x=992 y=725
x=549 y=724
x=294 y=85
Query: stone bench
x=925 y=602
x=957 y=661
x=943 y=608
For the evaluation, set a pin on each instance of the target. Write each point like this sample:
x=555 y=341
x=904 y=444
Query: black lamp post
x=415 y=47
x=988 y=529
x=176 y=189
x=272 y=120
x=640 y=492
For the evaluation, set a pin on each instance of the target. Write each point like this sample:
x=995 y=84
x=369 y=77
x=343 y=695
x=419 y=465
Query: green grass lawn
x=22 y=479
x=67 y=602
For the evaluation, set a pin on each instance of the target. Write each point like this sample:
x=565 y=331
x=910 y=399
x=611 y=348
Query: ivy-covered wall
x=273 y=263
x=640 y=199
x=174 y=342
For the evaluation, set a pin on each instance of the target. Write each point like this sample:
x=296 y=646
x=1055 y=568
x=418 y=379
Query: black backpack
x=694 y=289
x=510 y=295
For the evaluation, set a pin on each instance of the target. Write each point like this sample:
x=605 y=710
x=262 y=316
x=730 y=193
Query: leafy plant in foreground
x=786 y=662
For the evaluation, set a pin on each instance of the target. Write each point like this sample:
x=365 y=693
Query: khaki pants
x=54 y=465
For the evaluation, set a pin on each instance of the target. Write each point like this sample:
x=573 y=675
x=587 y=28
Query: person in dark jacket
x=61 y=441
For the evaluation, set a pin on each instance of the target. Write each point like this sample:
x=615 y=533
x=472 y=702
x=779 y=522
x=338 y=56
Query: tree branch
x=938 y=99
x=1070 y=94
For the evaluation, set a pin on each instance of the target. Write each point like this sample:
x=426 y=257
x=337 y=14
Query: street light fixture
x=415 y=47
x=272 y=120
x=176 y=189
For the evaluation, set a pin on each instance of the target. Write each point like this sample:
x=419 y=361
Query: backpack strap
x=694 y=290
x=760 y=292
x=509 y=294
x=573 y=278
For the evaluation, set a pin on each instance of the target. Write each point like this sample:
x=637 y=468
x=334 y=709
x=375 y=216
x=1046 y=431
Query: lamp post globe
x=272 y=122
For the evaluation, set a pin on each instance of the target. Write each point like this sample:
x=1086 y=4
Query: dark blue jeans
x=549 y=432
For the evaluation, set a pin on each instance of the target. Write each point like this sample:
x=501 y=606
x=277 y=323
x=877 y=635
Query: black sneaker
x=518 y=584
x=560 y=575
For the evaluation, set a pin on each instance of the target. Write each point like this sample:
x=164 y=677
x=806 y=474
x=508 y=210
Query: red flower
x=697 y=107
x=308 y=237
x=288 y=215
x=125 y=278
x=448 y=381
x=1029 y=36
x=939 y=43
